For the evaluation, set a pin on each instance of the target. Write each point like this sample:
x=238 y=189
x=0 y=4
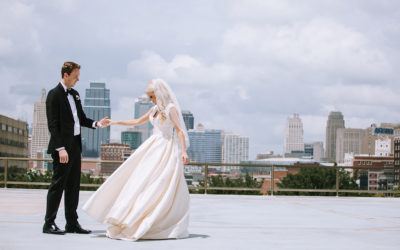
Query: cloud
x=319 y=46
x=239 y=66
x=181 y=69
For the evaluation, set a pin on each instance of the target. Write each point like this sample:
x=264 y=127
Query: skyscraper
x=142 y=106
x=294 y=140
x=96 y=107
x=318 y=151
x=205 y=145
x=335 y=121
x=40 y=131
x=235 y=150
x=188 y=119
x=348 y=140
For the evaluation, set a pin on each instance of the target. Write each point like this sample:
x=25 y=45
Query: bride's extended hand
x=185 y=158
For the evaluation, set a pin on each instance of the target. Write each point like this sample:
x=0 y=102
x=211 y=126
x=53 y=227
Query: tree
x=246 y=181
x=317 y=178
x=20 y=174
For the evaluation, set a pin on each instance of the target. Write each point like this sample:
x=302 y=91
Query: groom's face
x=71 y=79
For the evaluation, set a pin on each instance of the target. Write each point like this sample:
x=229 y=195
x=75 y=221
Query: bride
x=147 y=196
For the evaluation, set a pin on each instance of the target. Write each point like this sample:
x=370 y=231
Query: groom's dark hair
x=68 y=67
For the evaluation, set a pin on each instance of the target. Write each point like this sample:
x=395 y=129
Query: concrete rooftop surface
x=221 y=222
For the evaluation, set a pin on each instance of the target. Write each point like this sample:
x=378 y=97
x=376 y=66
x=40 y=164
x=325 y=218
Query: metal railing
x=271 y=189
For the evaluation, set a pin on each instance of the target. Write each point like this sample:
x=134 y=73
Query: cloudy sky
x=241 y=66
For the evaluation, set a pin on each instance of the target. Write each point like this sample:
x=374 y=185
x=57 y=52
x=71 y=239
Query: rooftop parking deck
x=221 y=222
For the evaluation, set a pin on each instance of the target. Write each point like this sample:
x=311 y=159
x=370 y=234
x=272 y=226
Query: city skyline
x=295 y=120
x=237 y=66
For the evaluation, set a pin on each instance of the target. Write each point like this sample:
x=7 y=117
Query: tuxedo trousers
x=66 y=178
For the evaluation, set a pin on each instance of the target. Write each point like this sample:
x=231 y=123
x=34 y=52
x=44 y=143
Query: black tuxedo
x=66 y=177
x=60 y=119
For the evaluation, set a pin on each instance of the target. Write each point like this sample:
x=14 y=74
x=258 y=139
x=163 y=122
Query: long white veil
x=165 y=96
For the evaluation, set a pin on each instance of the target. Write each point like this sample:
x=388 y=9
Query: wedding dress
x=147 y=196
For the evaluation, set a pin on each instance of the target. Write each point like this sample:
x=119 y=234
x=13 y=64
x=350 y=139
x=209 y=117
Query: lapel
x=65 y=100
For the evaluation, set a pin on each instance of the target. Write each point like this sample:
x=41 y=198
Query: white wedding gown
x=147 y=196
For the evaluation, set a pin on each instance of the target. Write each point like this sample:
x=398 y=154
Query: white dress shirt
x=77 y=125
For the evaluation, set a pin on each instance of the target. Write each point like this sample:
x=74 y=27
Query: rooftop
x=221 y=222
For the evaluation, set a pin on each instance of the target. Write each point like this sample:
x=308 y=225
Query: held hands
x=105 y=122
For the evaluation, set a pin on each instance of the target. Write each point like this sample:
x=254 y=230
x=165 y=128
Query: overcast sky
x=241 y=66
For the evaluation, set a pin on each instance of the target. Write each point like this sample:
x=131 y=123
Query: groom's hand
x=104 y=122
x=63 y=155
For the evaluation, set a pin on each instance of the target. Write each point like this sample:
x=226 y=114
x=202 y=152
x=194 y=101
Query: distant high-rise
x=205 y=145
x=335 y=121
x=142 y=106
x=96 y=107
x=309 y=149
x=132 y=138
x=235 y=149
x=348 y=140
x=294 y=140
x=40 y=131
x=374 y=133
x=188 y=119
x=318 y=151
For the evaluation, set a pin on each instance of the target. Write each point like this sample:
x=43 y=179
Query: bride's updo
x=162 y=95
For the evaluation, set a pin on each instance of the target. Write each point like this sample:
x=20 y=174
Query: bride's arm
x=133 y=122
x=174 y=116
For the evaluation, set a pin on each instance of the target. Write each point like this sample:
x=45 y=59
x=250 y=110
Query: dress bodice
x=162 y=127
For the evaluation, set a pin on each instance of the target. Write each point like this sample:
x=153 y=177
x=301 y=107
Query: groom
x=65 y=117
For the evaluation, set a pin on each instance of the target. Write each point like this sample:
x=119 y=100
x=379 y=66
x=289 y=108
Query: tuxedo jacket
x=60 y=119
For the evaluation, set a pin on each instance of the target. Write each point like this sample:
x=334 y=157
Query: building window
x=10 y=129
x=3 y=127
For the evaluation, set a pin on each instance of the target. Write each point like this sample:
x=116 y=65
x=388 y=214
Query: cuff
x=59 y=149
x=94 y=124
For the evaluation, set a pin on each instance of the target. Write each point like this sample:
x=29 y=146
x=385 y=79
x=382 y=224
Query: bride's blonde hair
x=162 y=95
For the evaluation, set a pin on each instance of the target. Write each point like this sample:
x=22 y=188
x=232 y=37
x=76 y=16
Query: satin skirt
x=147 y=196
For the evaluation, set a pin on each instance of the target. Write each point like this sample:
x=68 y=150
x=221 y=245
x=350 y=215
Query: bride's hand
x=185 y=158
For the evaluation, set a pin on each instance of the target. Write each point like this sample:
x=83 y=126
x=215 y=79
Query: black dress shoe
x=52 y=229
x=77 y=229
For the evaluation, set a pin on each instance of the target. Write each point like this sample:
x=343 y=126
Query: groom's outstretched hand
x=104 y=122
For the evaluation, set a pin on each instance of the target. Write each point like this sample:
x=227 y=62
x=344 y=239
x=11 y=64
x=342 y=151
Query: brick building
x=113 y=152
x=378 y=179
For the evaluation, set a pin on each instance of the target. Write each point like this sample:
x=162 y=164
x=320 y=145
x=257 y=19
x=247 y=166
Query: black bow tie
x=69 y=91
